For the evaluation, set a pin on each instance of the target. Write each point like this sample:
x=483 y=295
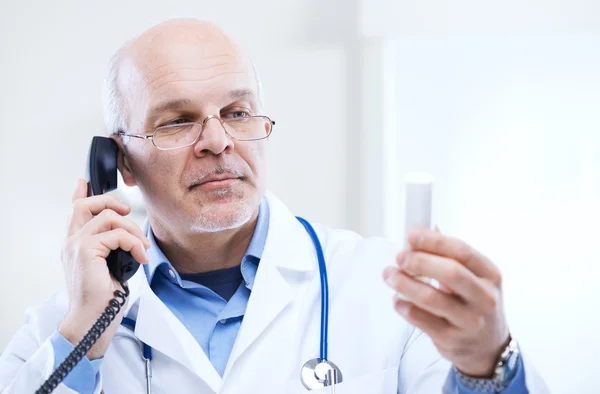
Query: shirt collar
x=160 y=263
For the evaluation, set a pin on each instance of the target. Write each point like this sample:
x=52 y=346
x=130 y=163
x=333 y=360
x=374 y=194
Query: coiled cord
x=88 y=341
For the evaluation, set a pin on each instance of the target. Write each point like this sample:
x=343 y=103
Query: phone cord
x=88 y=341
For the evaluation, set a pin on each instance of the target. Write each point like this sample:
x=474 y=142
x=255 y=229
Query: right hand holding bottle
x=97 y=226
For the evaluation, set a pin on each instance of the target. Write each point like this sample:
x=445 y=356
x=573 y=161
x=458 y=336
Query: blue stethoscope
x=316 y=373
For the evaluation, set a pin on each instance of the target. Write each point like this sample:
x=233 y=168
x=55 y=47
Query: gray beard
x=209 y=223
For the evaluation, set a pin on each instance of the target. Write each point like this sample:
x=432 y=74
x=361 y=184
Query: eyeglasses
x=181 y=135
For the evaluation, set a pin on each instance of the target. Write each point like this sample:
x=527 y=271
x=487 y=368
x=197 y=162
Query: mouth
x=216 y=183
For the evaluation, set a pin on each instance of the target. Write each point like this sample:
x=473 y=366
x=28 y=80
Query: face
x=183 y=80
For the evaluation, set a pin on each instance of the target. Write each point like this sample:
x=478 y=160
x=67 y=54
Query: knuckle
x=475 y=323
x=121 y=233
x=110 y=216
x=429 y=296
x=437 y=241
x=399 y=282
x=465 y=252
x=491 y=300
x=496 y=277
x=418 y=260
x=411 y=312
x=113 y=199
x=410 y=261
x=78 y=205
x=494 y=301
x=455 y=274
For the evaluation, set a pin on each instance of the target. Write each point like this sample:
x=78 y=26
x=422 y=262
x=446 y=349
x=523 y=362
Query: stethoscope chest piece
x=317 y=374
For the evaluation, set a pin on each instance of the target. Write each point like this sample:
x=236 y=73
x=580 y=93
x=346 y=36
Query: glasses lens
x=176 y=136
x=248 y=128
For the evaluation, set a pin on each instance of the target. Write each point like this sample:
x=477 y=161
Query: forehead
x=203 y=72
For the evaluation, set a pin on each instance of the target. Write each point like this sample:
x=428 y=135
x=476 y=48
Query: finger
x=109 y=220
x=453 y=275
x=432 y=325
x=80 y=190
x=121 y=238
x=432 y=300
x=84 y=209
x=442 y=245
x=399 y=260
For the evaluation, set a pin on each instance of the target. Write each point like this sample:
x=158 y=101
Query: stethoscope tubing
x=324 y=287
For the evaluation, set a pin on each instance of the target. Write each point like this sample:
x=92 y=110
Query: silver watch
x=503 y=374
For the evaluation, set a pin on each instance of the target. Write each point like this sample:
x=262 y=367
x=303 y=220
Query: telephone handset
x=101 y=174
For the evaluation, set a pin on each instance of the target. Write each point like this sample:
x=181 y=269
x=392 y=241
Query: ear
x=123 y=163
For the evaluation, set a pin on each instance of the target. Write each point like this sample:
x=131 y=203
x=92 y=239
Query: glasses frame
x=202 y=124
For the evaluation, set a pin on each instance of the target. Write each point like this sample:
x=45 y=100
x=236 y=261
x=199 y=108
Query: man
x=228 y=297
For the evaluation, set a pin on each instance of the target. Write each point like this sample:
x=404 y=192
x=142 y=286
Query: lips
x=216 y=181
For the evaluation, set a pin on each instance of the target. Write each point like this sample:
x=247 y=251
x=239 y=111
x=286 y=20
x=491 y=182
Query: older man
x=228 y=298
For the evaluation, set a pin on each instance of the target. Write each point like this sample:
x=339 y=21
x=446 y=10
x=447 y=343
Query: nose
x=213 y=138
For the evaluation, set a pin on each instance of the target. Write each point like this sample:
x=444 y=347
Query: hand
x=96 y=227
x=464 y=317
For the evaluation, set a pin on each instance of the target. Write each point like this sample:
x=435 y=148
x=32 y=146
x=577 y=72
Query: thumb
x=80 y=190
x=437 y=229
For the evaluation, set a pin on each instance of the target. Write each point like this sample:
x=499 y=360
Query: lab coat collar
x=287 y=263
x=159 y=328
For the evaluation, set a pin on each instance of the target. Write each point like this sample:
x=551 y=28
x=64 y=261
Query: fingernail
x=402 y=261
x=390 y=280
x=401 y=307
x=399 y=297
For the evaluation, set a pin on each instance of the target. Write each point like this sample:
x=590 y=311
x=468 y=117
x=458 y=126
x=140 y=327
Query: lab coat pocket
x=382 y=382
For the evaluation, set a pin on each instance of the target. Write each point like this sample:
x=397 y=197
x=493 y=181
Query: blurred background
x=499 y=101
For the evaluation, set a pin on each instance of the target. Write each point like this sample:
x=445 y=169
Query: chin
x=222 y=215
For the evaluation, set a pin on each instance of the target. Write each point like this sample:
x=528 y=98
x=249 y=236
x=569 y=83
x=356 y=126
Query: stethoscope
x=316 y=373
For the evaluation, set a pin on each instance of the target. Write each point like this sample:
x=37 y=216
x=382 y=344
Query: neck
x=195 y=253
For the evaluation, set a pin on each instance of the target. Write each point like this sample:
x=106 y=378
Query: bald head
x=188 y=46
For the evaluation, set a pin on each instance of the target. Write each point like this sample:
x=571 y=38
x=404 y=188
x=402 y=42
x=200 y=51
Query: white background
x=498 y=100
x=510 y=128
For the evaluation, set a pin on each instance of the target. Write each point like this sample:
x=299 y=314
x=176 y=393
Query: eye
x=177 y=121
x=237 y=115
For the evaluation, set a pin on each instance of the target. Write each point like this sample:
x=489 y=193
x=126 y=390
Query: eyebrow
x=172 y=105
x=179 y=104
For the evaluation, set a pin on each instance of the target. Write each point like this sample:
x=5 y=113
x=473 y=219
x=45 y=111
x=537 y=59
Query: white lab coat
x=377 y=351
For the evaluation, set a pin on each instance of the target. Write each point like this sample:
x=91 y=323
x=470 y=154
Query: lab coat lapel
x=288 y=262
x=159 y=328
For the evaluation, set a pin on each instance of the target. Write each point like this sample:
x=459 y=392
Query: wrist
x=485 y=367
x=504 y=372
x=74 y=329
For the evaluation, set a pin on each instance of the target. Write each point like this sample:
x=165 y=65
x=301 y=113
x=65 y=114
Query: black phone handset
x=101 y=175
x=102 y=178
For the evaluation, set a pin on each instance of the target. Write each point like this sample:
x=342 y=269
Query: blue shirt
x=212 y=320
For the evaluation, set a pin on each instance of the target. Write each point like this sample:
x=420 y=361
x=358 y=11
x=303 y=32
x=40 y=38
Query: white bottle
x=418 y=198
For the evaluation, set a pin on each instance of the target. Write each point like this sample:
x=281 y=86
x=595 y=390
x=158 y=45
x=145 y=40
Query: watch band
x=503 y=374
